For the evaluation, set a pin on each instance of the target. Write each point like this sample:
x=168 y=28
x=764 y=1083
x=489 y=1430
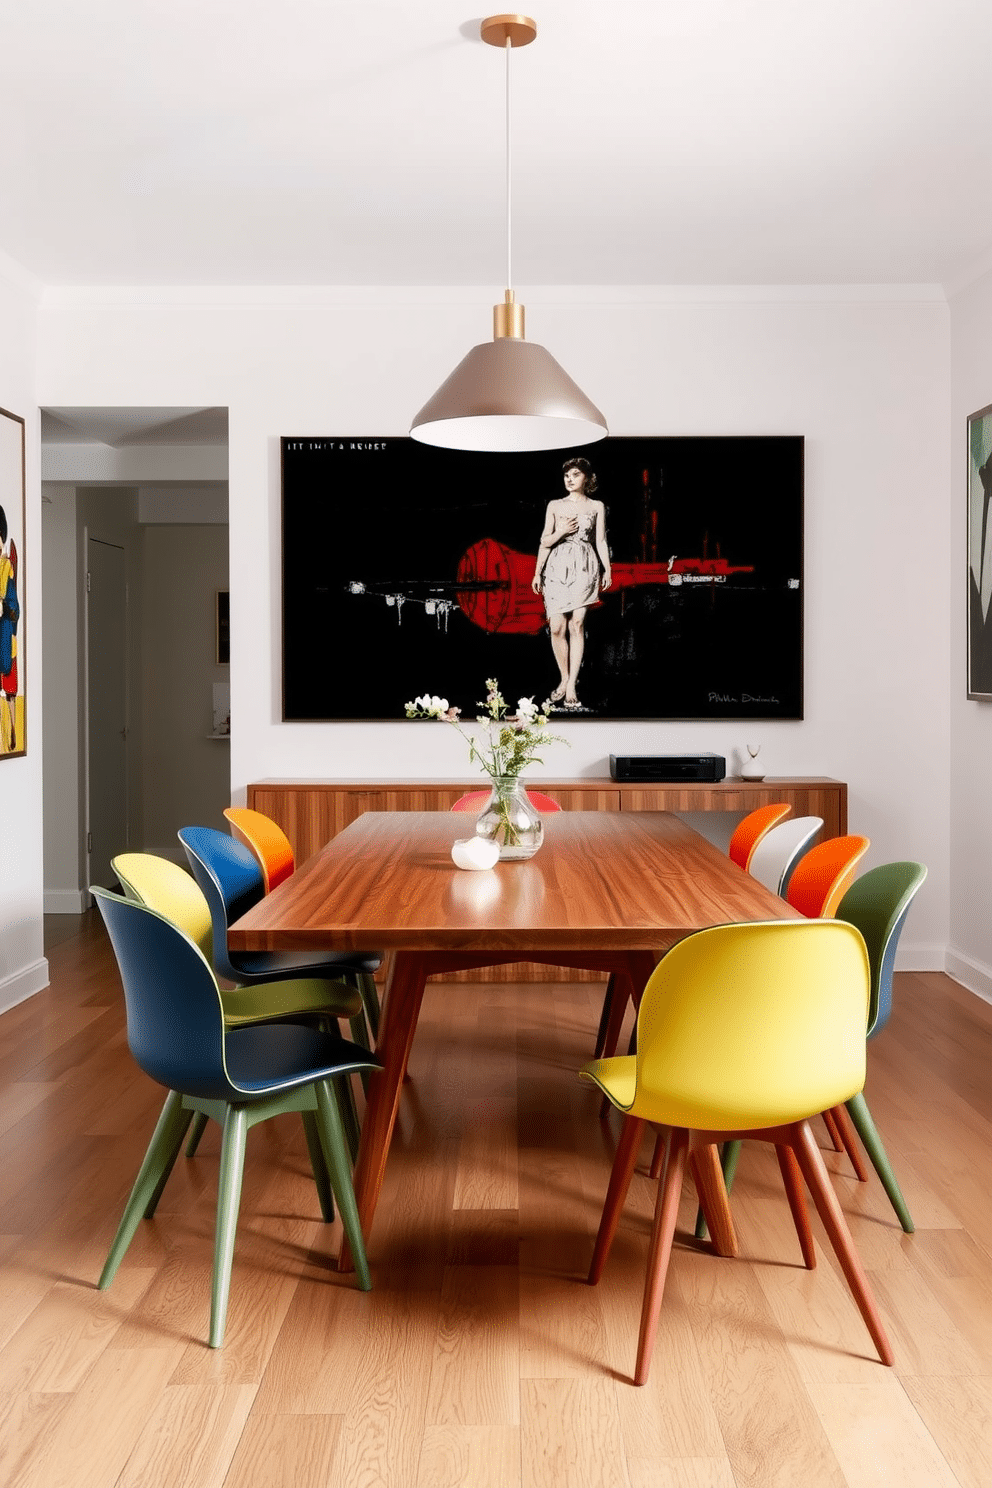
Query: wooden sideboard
x=311 y=812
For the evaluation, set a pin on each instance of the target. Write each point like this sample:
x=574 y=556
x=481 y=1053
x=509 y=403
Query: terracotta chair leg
x=604 y=1017
x=623 y=1171
x=829 y=1210
x=849 y=1137
x=832 y=1131
x=665 y=1215
x=707 y=1174
x=657 y=1157
x=793 y=1180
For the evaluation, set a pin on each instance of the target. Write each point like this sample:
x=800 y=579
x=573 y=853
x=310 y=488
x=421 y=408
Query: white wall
x=970 y=948
x=863 y=376
x=23 y=968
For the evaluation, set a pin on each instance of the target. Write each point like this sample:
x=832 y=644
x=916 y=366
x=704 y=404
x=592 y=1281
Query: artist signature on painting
x=745 y=697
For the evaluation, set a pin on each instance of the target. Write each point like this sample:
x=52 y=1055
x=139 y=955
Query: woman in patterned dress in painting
x=573 y=565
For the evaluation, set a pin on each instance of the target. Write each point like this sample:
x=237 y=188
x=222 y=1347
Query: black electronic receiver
x=668 y=768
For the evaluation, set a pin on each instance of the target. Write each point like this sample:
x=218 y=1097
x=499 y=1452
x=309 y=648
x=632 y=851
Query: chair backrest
x=266 y=839
x=175 y=1024
x=780 y=849
x=819 y=879
x=762 y=1023
x=878 y=903
x=749 y=832
x=475 y=800
x=171 y=890
x=231 y=881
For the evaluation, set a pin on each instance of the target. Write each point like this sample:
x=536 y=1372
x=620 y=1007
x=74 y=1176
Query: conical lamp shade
x=508 y=394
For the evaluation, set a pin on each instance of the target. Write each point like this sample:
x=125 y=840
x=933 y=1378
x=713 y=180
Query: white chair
x=779 y=851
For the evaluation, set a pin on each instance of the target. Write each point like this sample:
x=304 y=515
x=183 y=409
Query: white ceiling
x=656 y=141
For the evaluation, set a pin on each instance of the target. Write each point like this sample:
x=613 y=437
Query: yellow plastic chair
x=749 y=832
x=744 y=1031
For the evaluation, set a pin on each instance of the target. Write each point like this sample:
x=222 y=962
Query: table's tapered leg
x=401 y=1009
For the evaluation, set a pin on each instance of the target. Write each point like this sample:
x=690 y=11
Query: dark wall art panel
x=409 y=569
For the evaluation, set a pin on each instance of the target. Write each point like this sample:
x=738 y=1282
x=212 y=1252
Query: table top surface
x=601 y=881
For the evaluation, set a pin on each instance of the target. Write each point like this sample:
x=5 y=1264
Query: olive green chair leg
x=153 y=1201
x=361 y=1036
x=857 y=1109
x=163 y=1149
x=339 y=1169
x=196 y=1132
x=319 y=1165
x=370 y=997
x=730 y=1154
x=232 y=1162
x=349 y=1114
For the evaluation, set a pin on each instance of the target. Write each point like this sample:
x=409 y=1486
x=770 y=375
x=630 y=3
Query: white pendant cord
x=509 y=281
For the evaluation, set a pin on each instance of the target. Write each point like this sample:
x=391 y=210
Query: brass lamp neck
x=508 y=319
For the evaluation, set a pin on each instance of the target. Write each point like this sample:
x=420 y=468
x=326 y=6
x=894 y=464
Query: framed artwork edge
x=973 y=618
x=13 y=493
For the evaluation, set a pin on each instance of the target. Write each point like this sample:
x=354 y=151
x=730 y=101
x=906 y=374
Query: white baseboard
x=66 y=901
x=971 y=974
x=23 y=984
x=921 y=955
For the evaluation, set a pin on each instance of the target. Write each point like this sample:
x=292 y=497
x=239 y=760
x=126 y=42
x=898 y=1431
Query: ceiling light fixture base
x=518 y=30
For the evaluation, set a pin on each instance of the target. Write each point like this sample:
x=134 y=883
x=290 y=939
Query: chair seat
x=303 y=996
x=271 y=966
x=272 y=1057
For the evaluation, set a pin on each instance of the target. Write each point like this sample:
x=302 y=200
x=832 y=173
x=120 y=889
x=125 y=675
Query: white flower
x=527 y=709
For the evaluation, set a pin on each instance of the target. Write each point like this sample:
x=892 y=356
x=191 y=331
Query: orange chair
x=269 y=843
x=475 y=800
x=749 y=832
x=821 y=878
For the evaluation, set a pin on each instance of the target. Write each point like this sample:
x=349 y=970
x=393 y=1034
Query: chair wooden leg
x=339 y=1171
x=319 y=1165
x=623 y=1171
x=658 y=1156
x=850 y=1141
x=665 y=1215
x=793 y=1179
x=196 y=1131
x=730 y=1153
x=704 y=1164
x=829 y=1210
x=604 y=1017
x=232 y=1163
x=857 y=1108
x=832 y=1131
x=163 y=1149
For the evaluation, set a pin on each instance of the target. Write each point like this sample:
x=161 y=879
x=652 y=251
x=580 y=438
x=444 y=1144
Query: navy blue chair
x=235 y=1076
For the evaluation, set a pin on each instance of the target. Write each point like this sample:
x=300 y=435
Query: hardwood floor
x=481 y=1357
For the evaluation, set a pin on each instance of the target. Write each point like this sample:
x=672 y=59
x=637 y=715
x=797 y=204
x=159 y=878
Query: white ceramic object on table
x=475 y=852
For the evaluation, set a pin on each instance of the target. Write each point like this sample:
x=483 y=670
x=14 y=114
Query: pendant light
x=508 y=393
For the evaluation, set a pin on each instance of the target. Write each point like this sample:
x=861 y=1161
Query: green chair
x=235 y=1076
x=174 y=893
x=878 y=903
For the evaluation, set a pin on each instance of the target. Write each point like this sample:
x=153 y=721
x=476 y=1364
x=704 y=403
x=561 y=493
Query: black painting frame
x=378 y=604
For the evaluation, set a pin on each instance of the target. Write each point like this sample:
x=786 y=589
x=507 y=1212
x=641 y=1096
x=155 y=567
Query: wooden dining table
x=607 y=891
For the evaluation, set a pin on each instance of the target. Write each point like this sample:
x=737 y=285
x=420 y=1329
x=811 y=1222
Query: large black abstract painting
x=669 y=584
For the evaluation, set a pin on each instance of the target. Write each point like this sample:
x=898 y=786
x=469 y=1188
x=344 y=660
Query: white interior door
x=106 y=704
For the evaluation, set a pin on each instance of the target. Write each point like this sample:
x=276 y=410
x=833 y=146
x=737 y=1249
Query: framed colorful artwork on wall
x=980 y=555
x=12 y=516
x=644 y=578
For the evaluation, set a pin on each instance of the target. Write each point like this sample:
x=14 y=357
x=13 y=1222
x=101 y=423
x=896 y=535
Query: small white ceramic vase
x=751 y=769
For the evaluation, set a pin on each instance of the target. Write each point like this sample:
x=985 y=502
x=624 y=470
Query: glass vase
x=510 y=820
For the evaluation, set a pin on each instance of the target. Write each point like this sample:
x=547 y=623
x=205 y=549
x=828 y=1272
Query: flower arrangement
x=510 y=743
x=513 y=738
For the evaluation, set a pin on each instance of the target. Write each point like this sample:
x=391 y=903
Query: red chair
x=475 y=800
